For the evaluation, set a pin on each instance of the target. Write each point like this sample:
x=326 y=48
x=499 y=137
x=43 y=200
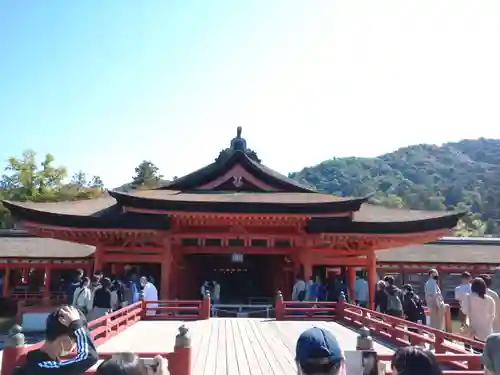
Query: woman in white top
x=480 y=310
x=83 y=297
x=299 y=289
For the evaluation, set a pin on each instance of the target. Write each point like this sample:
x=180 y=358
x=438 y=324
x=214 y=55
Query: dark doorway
x=245 y=279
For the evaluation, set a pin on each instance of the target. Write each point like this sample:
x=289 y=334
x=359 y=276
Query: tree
x=147 y=175
x=460 y=175
x=96 y=183
x=25 y=180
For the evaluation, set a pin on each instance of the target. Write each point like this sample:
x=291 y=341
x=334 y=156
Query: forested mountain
x=464 y=176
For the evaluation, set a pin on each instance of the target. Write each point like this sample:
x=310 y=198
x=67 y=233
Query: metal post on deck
x=279 y=308
x=143 y=304
x=341 y=305
x=364 y=341
x=181 y=365
x=13 y=350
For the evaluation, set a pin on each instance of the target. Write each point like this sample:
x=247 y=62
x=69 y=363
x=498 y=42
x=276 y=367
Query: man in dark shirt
x=66 y=327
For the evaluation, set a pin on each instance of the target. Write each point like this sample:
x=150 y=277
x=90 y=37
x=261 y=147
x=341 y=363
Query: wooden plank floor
x=231 y=346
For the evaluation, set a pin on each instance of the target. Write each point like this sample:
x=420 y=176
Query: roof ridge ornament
x=238 y=144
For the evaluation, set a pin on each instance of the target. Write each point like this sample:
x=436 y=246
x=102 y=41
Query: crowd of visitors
x=101 y=295
x=317 y=351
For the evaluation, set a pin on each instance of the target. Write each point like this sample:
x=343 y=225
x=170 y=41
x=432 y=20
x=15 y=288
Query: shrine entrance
x=244 y=279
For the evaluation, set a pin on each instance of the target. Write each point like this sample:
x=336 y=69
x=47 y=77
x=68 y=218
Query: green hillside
x=464 y=175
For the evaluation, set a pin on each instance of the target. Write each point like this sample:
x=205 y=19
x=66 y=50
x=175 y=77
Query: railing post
x=20 y=310
x=341 y=305
x=181 y=365
x=279 y=306
x=143 y=305
x=447 y=318
x=364 y=341
x=205 y=307
x=13 y=350
x=438 y=342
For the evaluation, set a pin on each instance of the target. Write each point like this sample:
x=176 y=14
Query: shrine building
x=235 y=221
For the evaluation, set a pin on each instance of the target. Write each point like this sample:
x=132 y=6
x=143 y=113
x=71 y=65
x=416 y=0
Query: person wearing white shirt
x=310 y=290
x=216 y=296
x=361 y=291
x=490 y=292
x=83 y=297
x=480 y=310
x=461 y=292
x=299 y=289
x=435 y=301
x=150 y=294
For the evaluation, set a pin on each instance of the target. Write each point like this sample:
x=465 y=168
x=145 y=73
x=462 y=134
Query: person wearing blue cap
x=318 y=353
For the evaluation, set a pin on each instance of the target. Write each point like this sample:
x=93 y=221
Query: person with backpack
x=413 y=307
x=394 y=298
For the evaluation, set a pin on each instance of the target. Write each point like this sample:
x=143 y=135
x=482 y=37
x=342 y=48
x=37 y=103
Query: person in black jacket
x=65 y=328
x=413 y=307
x=381 y=297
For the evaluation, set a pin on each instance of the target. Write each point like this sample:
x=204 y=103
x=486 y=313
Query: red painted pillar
x=181 y=360
x=46 y=284
x=24 y=275
x=372 y=278
x=98 y=258
x=6 y=282
x=166 y=265
x=351 y=280
x=14 y=351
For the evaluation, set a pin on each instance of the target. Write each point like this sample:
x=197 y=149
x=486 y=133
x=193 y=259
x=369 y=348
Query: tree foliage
x=25 y=179
x=460 y=176
x=147 y=175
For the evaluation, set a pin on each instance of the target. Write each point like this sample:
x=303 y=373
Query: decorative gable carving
x=237 y=178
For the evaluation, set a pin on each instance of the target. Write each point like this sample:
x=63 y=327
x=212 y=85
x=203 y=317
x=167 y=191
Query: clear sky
x=105 y=84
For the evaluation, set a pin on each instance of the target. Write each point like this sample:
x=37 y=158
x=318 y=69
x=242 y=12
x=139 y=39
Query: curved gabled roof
x=223 y=165
x=238 y=202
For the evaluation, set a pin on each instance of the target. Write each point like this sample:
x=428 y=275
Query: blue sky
x=105 y=84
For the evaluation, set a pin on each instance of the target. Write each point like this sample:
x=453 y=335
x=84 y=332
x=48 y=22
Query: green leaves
x=26 y=180
x=147 y=175
x=462 y=176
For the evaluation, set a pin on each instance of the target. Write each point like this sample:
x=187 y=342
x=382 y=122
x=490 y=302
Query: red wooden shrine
x=234 y=208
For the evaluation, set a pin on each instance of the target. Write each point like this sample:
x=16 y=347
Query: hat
x=491 y=353
x=317 y=346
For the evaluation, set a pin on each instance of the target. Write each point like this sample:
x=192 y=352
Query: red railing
x=399 y=331
x=403 y=332
x=305 y=310
x=108 y=326
x=177 y=310
x=36 y=299
x=179 y=360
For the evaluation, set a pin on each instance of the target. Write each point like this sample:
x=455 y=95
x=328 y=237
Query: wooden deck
x=231 y=346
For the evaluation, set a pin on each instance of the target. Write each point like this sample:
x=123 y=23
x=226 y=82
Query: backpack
x=394 y=302
x=419 y=308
